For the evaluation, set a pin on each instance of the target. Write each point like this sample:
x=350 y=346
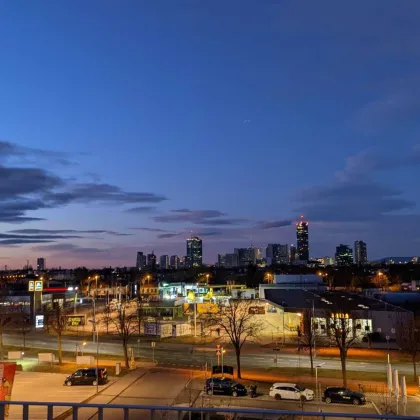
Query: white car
x=289 y=391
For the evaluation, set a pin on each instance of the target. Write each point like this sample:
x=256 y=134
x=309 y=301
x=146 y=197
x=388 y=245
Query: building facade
x=277 y=254
x=343 y=255
x=174 y=262
x=194 y=252
x=151 y=261
x=360 y=253
x=292 y=253
x=40 y=264
x=227 y=260
x=164 y=262
x=140 y=260
x=302 y=236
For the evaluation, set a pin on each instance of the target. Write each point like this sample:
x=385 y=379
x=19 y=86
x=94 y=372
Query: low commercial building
x=363 y=314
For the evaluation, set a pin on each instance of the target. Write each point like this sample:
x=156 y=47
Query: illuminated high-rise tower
x=194 y=252
x=302 y=239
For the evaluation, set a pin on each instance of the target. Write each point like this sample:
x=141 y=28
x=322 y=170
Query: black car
x=343 y=395
x=87 y=377
x=224 y=386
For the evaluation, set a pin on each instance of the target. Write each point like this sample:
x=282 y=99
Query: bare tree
x=139 y=314
x=408 y=339
x=342 y=333
x=58 y=322
x=125 y=326
x=239 y=323
x=106 y=318
x=24 y=325
x=308 y=336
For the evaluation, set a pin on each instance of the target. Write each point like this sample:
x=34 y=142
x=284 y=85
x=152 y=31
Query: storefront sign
x=39 y=321
x=76 y=320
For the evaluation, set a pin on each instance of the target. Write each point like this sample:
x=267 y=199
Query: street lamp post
x=94 y=309
x=223 y=352
x=195 y=317
x=97 y=366
x=316 y=377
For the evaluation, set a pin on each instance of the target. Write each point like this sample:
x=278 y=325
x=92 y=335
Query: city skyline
x=186 y=121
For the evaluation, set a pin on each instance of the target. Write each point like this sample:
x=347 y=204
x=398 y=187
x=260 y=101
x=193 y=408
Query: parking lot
x=48 y=387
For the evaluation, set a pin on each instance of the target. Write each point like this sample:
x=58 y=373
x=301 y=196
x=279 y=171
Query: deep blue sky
x=260 y=110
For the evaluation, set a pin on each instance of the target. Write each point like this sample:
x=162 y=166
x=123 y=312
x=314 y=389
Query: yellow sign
x=31 y=286
x=39 y=285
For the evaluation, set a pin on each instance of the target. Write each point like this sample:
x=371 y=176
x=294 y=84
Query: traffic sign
x=387 y=337
x=31 y=286
x=153 y=344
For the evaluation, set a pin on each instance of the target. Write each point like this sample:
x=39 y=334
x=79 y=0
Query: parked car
x=224 y=386
x=87 y=377
x=343 y=395
x=289 y=391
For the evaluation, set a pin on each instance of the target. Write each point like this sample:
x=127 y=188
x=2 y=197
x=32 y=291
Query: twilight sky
x=126 y=126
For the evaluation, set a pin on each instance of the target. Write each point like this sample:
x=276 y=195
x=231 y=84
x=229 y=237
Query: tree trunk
x=343 y=368
x=127 y=362
x=60 y=352
x=311 y=358
x=238 y=361
x=415 y=369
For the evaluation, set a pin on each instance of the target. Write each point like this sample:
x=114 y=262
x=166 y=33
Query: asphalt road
x=177 y=355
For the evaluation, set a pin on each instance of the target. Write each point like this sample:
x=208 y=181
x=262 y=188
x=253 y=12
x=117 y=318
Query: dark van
x=87 y=376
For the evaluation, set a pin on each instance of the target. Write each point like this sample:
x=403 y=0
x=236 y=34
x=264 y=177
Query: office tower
x=151 y=260
x=343 y=255
x=302 y=235
x=228 y=260
x=292 y=253
x=164 y=262
x=277 y=254
x=174 y=262
x=141 y=261
x=360 y=252
x=40 y=264
x=246 y=256
x=194 y=252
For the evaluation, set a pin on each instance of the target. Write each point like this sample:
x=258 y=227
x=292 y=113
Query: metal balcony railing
x=77 y=411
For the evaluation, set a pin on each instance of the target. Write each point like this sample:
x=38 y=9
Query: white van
x=289 y=391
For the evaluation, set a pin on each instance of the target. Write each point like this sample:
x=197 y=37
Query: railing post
x=180 y=415
x=75 y=413
x=25 y=412
x=152 y=414
x=2 y=411
x=100 y=413
x=126 y=413
x=50 y=411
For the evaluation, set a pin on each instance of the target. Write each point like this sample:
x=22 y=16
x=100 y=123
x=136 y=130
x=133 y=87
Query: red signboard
x=7 y=376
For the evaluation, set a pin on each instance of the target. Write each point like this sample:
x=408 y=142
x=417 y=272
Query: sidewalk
x=369 y=386
x=107 y=395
